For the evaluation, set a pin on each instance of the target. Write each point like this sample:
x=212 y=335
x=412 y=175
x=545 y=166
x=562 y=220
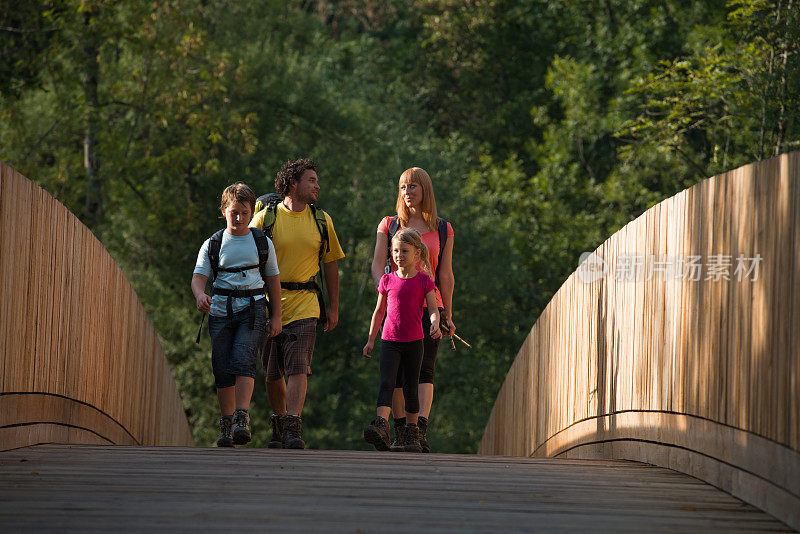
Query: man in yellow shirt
x=297 y=235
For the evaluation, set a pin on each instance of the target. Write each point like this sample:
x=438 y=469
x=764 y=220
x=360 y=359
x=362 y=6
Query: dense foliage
x=546 y=125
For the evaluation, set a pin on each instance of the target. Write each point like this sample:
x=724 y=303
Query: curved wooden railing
x=635 y=359
x=80 y=361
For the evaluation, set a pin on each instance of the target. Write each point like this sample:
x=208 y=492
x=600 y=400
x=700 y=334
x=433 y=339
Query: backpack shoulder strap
x=442 y=240
x=263 y=250
x=394 y=226
x=214 y=246
x=271 y=215
x=322 y=226
x=324 y=245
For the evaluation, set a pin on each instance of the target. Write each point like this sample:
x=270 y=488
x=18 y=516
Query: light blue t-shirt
x=235 y=251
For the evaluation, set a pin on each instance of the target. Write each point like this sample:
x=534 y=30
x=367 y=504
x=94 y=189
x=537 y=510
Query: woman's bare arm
x=379 y=258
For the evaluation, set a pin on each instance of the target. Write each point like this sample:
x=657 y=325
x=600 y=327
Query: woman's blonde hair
x=421 y=178
x=413 y=238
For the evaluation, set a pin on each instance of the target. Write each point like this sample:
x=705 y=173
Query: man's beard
x=309 y=198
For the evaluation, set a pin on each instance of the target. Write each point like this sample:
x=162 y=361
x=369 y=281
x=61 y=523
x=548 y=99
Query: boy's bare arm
x=199 y=290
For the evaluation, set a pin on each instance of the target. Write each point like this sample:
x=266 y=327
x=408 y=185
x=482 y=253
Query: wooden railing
x=80 y=361
x=641 y=355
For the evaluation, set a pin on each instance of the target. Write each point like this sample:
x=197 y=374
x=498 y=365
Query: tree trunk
x=781 y=127
x=91 y=162
x=610 y=14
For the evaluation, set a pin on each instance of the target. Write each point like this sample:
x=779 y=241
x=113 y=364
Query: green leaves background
x=545 y=125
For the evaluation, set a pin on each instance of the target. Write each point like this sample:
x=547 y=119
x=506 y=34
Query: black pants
x=396 y=355
x=430 y=348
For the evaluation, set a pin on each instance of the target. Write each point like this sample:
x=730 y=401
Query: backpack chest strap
x=238 y=293
x=238 y=269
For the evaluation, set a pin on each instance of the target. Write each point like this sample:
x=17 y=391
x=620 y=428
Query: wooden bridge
x=643 y=398
x=109 y=488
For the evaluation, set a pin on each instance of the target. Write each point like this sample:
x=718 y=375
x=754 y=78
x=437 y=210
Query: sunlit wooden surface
x=97 y=488
x=80 y=361
x=702 y=376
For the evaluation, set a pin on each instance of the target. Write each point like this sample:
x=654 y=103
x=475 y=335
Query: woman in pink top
x=416 y=208
x=401 y=294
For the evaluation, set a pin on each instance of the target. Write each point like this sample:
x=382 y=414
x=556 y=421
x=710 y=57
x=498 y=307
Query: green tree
x=734 y=99
x=545 y=126
x=27 y=32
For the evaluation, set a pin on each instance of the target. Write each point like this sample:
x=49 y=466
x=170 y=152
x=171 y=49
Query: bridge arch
x=701 y=376
x=80 y=362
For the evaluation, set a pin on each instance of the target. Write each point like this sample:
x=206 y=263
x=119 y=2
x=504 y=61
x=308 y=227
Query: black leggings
x=405 y=356
x=430 y=348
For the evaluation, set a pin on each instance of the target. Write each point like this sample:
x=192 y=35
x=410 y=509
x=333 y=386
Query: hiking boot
x=277 y=431
x=241 y=427
x=397 y=445
x=422 y=422
x=225 y=429
x=291 y=432
x=411 y=439
x=377 y=433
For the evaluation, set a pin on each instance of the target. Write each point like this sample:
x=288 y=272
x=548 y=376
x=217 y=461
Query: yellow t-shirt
x=297 y=241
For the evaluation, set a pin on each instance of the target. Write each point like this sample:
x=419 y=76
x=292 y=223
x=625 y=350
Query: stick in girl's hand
x=445 y=329
x=461 y=340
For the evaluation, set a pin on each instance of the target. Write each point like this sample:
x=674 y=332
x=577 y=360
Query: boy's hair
x=238 y=192
x=291 y=172
x=418 y=176
x=413 y=238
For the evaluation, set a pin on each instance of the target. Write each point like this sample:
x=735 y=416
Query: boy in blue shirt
x=243 y=262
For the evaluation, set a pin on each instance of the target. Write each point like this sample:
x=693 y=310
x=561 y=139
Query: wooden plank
x=719 y=317
x=783 y=239
x=6 y=277
x=793 y=168
x=760 y=355
x=98 y=487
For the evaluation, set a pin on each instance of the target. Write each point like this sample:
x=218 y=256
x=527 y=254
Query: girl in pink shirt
x=400 y=296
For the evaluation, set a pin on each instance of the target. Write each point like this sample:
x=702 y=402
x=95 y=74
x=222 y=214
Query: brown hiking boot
x=397 y=445
x=291 y=432
x=410 y=440
x=277 y=431
x=422 y=422
x=225 y=435
x=377 y=433
x=241 y=427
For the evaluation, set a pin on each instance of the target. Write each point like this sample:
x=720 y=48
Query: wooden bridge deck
x=61 y=488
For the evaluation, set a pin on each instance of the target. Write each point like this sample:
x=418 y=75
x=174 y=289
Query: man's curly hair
x=292 y=171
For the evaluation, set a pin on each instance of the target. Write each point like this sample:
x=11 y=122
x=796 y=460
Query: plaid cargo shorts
x=287 y=358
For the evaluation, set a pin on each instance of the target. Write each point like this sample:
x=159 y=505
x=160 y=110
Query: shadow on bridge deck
x=79 y=488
